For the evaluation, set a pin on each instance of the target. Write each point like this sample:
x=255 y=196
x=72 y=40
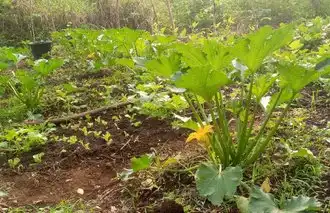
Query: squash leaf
x=192 y=56
x=164 y=66
x=203 y=81
x=45 y=67
x=215 y=184
x=297 y=77
x=257 y=46
x=261 y=202
x=262 y=85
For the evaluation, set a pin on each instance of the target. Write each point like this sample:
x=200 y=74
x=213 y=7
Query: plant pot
x=40 y=48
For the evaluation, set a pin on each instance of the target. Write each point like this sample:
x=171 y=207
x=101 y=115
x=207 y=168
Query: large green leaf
x=300 y=203
x=203 y=81
x=192 y=55
x=164 y=66
x=297 y=77
x=257 y=46
x=216 y=184
x=217 y=55
x=261 y=202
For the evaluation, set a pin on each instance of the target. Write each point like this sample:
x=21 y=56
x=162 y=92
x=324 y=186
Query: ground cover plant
x=124 y=120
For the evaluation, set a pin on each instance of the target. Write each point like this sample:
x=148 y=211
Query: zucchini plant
x=203 y=69
x=27 y=86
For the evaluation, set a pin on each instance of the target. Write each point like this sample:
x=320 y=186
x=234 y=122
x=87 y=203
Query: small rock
x=80 y=191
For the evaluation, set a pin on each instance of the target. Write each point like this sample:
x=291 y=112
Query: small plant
x=107 y=137
x=38 y=157
x=13 y=163
x=28 y=87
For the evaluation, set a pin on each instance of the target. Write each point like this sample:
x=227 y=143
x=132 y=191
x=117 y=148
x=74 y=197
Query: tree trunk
x=169 y=8
x=118 y=13
x=214 y=17
x=155 y=18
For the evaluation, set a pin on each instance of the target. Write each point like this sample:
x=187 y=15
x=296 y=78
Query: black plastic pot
x=40 y=48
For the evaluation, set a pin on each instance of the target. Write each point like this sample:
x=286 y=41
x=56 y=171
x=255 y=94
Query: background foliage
x=35 y=19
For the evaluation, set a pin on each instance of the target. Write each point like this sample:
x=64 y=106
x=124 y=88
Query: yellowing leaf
x=169 y=162
x=201 y=134
x=265 y=186
x=296 y=45
x=91 y=56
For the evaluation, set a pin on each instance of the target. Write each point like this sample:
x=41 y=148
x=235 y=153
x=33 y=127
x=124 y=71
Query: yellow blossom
x=91 y=56
x=201 y=135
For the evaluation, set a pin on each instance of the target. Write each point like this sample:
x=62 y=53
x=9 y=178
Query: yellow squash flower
x=201 y=135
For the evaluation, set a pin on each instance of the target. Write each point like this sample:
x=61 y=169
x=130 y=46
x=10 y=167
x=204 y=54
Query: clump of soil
x=170 y=206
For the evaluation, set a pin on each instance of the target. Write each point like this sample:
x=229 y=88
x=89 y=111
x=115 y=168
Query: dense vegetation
x=221 y=108
x=34 y=19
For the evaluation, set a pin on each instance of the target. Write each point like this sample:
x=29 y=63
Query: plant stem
x=242 y=136
x=194 y=111
x=224 y=122
x=221 y=141
x=264 y=124
x=262 y=147
x=201 y=109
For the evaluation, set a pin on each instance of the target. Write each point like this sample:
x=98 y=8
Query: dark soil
x=170 y=206
x=94 y=170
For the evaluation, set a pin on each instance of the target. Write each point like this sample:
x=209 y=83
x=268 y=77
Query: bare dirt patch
x=94 y=170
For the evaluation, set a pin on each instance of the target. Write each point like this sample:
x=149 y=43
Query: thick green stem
x=222 y=144
x=202 y=110
x=242 y=136
x=264 y=124
x=261 y=148
x=224 y=123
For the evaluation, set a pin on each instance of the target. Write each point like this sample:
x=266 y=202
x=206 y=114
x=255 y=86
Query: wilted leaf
x=243 y=204
x=265 y=186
